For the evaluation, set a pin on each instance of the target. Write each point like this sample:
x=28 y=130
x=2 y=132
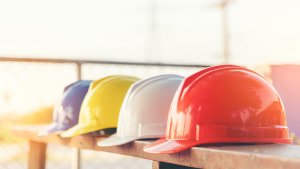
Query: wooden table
x=268 y=156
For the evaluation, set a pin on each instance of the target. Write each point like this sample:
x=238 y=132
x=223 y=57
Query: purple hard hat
x=66 y=114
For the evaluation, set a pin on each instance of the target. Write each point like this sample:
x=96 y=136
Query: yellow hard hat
x=101 y=106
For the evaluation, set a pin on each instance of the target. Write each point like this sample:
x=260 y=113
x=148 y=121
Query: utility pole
x=152 y=39
x=225 y=31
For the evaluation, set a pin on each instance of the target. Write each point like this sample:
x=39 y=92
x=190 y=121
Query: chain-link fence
x=27 y=86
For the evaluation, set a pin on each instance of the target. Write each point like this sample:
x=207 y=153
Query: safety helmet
x=223 y=104
x=145 y=110
x=66 y=113
x=101 y=106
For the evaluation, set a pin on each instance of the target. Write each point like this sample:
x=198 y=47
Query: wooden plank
x=273 y=156
x=37 y=155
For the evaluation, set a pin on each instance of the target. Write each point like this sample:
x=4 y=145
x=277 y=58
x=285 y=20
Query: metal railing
x=80 y=62
x=76 y=160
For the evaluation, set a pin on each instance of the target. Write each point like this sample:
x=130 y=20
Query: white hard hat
x=145 y=110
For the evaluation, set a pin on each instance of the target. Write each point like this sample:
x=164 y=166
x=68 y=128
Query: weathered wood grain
x=265 y=156
x=37 y=155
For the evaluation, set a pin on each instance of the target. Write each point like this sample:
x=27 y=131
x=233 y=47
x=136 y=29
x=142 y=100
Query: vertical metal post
x=79 y=75
x=76 y=158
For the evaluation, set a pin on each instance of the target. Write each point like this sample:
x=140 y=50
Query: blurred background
x=261 y=34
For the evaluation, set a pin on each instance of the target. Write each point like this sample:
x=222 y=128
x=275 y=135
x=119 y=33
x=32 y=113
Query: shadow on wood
x=162 y=165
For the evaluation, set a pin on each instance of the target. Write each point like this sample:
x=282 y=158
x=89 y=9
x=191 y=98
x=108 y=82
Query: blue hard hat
x=66 y=113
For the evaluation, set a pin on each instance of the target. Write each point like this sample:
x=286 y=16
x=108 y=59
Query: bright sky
x=261 y=31
x=186 y=31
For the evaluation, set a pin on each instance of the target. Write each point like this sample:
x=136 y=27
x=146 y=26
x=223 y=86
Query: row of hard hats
x=220 y=104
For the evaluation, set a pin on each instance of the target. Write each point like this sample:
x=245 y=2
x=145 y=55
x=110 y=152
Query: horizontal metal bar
x=48 y=60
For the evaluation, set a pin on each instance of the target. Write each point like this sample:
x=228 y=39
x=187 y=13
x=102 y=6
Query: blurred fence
x=27 y=84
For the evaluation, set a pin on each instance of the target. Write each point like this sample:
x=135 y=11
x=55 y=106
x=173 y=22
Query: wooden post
x=162 y=165
x=37 y=155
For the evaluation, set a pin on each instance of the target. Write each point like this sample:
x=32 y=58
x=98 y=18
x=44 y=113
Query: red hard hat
x=223 y=104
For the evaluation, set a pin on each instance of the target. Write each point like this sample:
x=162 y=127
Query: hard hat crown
x=66 y=112
x=146 y=106
x=227 y=99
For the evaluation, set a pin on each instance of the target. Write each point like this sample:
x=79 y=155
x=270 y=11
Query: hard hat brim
x=115 y=140
x=164 y=146
x=79 y=130
x=53 y=128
